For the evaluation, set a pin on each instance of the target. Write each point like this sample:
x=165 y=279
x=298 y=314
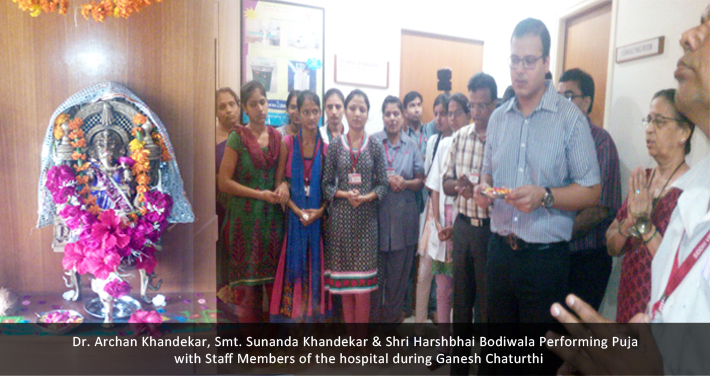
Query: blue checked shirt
x=552 y=147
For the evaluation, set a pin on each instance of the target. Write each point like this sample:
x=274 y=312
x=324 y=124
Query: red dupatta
x=261 y=160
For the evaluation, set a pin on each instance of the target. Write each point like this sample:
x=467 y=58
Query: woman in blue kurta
x=299 y=294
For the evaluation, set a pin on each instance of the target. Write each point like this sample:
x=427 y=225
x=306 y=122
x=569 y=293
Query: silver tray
x=123 y=307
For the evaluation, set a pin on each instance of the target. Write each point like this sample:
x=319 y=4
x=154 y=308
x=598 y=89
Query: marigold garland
x=141 y=167
x=78 y=142
x=99 y=12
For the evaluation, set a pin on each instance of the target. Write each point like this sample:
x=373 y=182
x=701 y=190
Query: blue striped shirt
x=552 y=147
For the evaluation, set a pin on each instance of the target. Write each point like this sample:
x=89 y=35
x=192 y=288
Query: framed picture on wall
x=282 y=47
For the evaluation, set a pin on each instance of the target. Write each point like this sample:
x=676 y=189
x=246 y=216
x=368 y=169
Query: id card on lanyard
x=474 y=177
x=307 y=171
x=390 y=160
x=354 y=177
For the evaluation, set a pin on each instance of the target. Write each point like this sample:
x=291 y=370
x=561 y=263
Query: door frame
x=575 y=11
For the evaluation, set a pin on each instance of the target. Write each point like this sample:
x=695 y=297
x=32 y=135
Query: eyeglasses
x=570 y=95
x=658 y=121
x=529 y=62
x=478 y=106
x=457 y=113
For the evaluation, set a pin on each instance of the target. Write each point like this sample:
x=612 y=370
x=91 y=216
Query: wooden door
x=587 y=48
x=423 y=54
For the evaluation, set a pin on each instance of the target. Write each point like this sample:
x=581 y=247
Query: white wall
x=635 y=82
x=373 y=28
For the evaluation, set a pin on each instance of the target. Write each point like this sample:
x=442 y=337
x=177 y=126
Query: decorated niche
x=110 y=186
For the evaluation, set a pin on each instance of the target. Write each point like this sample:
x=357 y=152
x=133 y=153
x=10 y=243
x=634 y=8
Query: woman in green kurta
x=251 y=188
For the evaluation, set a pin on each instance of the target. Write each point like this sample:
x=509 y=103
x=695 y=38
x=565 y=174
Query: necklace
x=665 y=185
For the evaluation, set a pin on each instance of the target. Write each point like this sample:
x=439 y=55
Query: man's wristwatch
x=548 y=199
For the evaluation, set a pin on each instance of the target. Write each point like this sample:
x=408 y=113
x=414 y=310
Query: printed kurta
x=252 y=232
x=351 y=233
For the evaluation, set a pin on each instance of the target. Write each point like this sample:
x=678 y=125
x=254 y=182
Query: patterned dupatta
x=300 y=238
x=260 y=159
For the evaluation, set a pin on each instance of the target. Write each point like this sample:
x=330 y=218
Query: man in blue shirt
x=539 y=146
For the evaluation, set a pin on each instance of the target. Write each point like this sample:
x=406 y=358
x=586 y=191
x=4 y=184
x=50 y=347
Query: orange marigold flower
x=139 y=119
x=93 y=209
x=81 y=143
x=143 y=211
x=76 y=123
x=86 y=10
x=91 y=200
x=84 y=191
x=63 y=6
x=143 y=179
x=76 y=156
x=82 y=179
x=141 y=189
x=81 y=168
x=140 y=156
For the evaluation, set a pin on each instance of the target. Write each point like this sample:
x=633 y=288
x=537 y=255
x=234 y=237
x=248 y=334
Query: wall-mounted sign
x=651 y=47
x=354 y=70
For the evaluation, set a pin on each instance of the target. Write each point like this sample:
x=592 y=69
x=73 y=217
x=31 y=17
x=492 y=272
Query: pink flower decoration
x=59 y=176
x=75 y=257
x=89 y=239
x=138 y=233
x=127 y=160
x=147 y=260
x=109 y=231
x=61 y=195
x=101 y=262
x=146 y=317
x=117 y=288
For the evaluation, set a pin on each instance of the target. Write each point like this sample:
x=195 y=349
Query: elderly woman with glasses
x=643 y=218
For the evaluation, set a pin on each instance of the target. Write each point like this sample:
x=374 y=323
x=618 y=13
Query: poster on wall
x=282 y=47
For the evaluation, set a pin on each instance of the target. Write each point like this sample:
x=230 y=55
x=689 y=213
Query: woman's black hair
x=291 y=94
x=331 y=92
x=669 y=96
x=462 y=101
x=355 y=93
x=442 y=99
x=307 y=94
x=391 y=99
x=249 y=88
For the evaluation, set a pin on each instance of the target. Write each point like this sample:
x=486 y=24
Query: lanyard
x=679 y=273
x=387 y=154
x=354 y=158
x=307 y=172
x=421 y=136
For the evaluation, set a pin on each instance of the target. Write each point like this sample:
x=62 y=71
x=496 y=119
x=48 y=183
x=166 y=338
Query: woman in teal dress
x=251 y=184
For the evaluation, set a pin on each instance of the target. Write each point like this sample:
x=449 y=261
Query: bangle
x=652 y=236
x=619 y=228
